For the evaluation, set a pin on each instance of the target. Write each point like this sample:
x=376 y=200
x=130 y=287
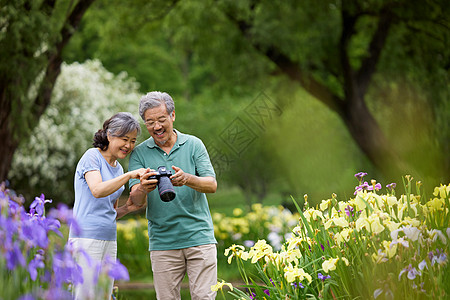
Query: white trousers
x=93 y=287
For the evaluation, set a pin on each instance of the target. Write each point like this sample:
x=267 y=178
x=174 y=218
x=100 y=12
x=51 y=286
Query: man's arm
x=207 y=184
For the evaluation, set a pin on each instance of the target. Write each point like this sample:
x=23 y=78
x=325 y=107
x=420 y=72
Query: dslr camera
x=165 y=187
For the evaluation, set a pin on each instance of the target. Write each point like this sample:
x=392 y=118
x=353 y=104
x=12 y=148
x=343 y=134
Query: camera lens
x=165 y=189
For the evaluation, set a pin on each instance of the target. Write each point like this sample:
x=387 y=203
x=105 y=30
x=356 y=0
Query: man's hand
x=207 y=184
x=179 y=178
x=138 y=194
x=148 y=185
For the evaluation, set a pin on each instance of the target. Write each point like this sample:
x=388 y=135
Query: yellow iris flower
x=291 y=273
x=220 y=285
x=330 y=264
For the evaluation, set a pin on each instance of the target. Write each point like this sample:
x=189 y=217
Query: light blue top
x=95 y=216
x=185 y=221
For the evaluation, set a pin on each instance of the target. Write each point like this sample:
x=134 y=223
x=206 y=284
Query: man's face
x=159 y=123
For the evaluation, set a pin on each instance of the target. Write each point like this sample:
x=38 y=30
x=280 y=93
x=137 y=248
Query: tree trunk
x=8 y=143
x=351 y=108
x=371 y=140
x=10 y=135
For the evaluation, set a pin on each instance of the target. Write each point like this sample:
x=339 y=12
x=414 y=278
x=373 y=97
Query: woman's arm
x=100 y=188
x=139 y=191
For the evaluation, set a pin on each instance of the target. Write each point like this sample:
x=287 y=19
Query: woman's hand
x=136 y=174
x=131 y=206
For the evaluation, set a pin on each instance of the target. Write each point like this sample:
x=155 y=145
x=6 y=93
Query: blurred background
x=290 y=97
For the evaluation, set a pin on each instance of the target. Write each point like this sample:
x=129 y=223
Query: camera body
x=165 y=187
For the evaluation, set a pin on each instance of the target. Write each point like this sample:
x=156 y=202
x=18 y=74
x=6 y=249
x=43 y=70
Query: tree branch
x=292 y=69
x=55 y=58
x=311 y=85
x=348 y=29
x=368 y=66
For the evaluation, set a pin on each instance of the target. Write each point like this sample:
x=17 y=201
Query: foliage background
x=195 y=51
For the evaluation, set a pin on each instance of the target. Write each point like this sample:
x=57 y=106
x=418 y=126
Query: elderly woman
x=99 y=182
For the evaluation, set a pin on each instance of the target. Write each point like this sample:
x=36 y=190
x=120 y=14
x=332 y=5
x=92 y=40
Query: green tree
x=85 y=95
x=352 y=56
x=130 y=36
x=381 y=67
x=32 y=36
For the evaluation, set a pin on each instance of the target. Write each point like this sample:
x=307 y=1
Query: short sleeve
x=89 y=162
x=203 y=166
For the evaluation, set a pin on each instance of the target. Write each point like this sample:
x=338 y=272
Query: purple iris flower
x=118 y=271
x=323 y=277
x=51 y=224
x=349 y=210
x=439 y=258
x=65 y=269
x=267 y=292
x=65 y=215
x=362 y=187
x=376 y=187
x=15 y=207
x=10 y=228
x=360 y=176
x=34 y=233
x=38 y=205
x=14 y=257
x=35 y=263
x=57 y=293
x=430 y=255
x=296 y=285
x=411 y=272
x=391 y=186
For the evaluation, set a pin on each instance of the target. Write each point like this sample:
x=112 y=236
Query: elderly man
x=181 y=233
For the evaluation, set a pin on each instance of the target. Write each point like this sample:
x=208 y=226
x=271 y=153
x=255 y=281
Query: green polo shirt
x=185 y=221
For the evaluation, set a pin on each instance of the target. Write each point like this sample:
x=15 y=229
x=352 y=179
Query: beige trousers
x=170 y=266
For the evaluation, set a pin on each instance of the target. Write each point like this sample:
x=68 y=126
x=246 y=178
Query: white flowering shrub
x=85 y=95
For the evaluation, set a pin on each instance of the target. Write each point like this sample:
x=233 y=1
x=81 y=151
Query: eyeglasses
x=151 y=123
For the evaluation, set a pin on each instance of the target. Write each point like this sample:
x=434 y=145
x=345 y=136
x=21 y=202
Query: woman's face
x=121 y=146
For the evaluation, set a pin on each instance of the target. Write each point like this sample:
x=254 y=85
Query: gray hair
x=155 y=99
x=122 y=123
x=118 y=125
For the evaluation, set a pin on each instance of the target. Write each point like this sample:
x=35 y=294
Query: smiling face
x=121 y=146
x=160 y=125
